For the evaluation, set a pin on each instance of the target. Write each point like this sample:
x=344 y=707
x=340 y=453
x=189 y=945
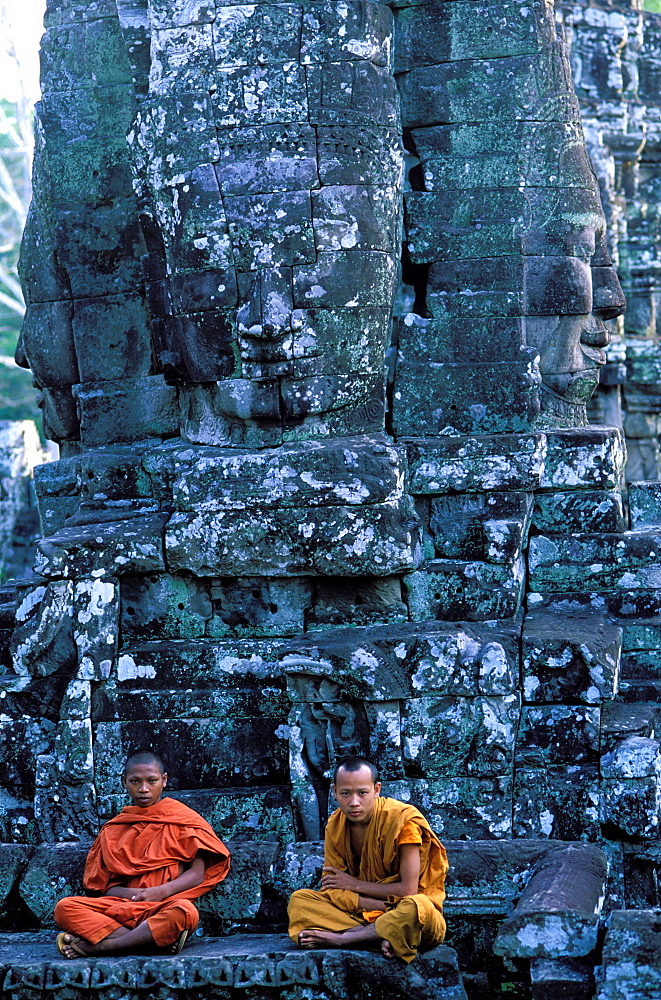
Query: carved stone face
x=273 y=237
x=568 y=298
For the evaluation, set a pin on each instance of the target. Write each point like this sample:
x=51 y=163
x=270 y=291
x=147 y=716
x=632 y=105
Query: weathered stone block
x=493 y=529
x=247 y=606
x=271 y=229
x=504 y=222
x=326 y=341
x=644 y=505
x=557 y=734
x=358 y=155
x=450 y=737
x=182 y=59
x=333 y=281
x=65 y=795
x=479 y=90
x=111 y=474
x=420 y=659
x=363 y=32
x=620 y=721
x=379 y=539
x=502 y=154
x=558 y=912
x=267 y=159
x=113 y=548
x=90 y=53
x=13 y=862
x=631 y=774
x=96 y=610
x=363 y=601
x=127 y=410
x=127 y=352
x=570 y=656
x=244 y=752
x=561 y=802
x=300 y=866
x=482 y=339
x=583 y=458
x=163 y=606
x=426 y=36
x=621 y=562
x=553 y=977
x=351 y=93
x=239 y=896
x=187 y=679
x=271 y=94
x=585 y=510
x=356 y=470
x=471 y=399
x=101 y=256
x=476 y=591
x=461 y=808
x=47 y=342
x=363 y=217
x=631 y=962
x=172 y=135
x=42 y=642
x=263 y=36
x=54 y=871
x=476 y=464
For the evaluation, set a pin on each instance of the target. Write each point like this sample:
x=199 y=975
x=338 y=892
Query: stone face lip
x=558 y=912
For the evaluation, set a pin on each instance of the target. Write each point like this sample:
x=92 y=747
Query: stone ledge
x=30 y=965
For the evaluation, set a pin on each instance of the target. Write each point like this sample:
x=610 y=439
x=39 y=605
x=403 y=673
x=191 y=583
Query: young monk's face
x=355 y=793
x=145 y=784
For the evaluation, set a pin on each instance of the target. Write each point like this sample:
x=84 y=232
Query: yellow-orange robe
x=141 y=848
x=410 y=922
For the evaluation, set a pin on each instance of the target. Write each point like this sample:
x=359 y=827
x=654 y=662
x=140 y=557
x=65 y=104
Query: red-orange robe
x=141 y=848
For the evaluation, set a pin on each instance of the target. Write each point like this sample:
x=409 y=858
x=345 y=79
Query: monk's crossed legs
x=317 y=922
x=92 y=931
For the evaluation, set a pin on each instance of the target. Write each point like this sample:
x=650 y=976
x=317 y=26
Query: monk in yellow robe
x=383 y=877
x=145 y=868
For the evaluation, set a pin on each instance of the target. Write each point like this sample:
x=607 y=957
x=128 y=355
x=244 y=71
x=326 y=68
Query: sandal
x=61 y=944
x=183 y=937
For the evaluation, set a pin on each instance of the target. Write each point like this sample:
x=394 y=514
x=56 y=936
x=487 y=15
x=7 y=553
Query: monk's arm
x=406 y=885
x=187 y=880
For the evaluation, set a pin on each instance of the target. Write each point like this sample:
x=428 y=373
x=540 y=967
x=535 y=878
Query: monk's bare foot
x=73 y=946
x=315 y=937
x=387 y=949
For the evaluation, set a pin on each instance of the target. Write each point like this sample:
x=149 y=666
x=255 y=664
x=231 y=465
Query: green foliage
x=16 y=393
x=653 y=5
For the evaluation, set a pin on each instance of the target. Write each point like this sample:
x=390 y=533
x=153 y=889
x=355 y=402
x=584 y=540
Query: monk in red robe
x=143 y=871
x=383 y=878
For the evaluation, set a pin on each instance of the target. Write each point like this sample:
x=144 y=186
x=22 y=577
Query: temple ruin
x=324 y=315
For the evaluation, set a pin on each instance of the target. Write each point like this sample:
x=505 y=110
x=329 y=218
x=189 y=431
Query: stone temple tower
x=318 y=293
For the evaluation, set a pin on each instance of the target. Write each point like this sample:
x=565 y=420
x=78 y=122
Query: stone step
x=30 y=965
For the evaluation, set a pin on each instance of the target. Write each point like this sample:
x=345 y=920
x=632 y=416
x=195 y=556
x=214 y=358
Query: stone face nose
x=607 y=296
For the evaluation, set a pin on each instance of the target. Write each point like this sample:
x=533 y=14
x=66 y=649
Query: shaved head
x=355 y=764
x=144 y=757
